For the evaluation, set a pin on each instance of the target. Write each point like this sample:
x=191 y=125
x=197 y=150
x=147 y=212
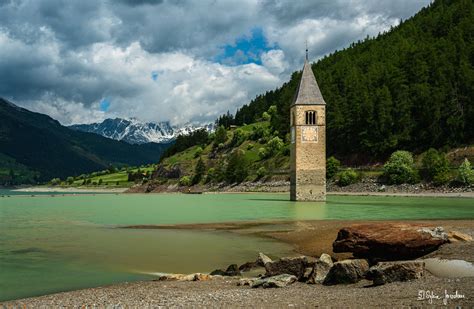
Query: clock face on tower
x=309 y=134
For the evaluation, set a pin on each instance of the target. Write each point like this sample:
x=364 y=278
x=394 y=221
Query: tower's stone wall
x=308 y=154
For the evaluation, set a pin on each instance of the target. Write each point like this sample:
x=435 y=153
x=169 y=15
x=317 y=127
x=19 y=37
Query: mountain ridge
x=134 y=131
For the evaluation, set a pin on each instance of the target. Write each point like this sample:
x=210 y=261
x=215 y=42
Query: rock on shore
x=389 y=241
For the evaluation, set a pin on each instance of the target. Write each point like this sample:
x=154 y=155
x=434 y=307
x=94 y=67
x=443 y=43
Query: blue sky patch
x=154 y=75
x=246 y=49
x=104 y=104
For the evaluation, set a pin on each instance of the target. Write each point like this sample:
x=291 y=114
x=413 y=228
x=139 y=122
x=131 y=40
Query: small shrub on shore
x=400 y=168
x=466 y=173
x=435 y=167
x=185 y=181
x=347 y=177
x=332 y=167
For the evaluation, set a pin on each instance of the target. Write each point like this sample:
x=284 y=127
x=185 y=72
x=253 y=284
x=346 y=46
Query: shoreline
x=330 y=193
x=310 y=238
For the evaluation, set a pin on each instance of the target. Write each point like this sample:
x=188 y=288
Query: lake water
x=51 y=243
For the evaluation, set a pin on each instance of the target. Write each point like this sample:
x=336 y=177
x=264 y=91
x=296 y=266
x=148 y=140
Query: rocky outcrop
x=295 y=266
x=386 y=272
x=389 y=241
x=347 y=271
x=320 y=269
x=278 y=281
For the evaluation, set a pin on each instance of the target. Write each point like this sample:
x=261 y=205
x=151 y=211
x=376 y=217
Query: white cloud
x=153 y=60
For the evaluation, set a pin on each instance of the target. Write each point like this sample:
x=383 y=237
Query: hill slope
x=42 y=144
x=411 y=88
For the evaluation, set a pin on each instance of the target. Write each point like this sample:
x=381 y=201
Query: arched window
x=310 y=117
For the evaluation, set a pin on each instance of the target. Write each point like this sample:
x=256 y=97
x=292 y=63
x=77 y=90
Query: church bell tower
x=308 y=140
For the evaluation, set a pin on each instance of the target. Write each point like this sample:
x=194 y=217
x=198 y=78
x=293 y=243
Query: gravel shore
x=307 y=237
x=225 y=293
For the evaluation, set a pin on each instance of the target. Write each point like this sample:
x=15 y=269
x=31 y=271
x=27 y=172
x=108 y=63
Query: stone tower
x=308 y=140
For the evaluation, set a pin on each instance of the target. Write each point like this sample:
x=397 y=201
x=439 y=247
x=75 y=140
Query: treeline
x=410 y=88
x=183 y=142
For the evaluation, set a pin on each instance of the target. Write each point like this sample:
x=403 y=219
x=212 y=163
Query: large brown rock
x=295 y=266
x=389 y=241
x=347 y=271
x=386 y=272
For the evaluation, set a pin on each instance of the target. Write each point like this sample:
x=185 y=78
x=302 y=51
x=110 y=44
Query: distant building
x=308 y=140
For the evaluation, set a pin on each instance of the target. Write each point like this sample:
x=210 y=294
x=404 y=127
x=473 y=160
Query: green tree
x=261 y=172
x=274 y=145
x=435 y=167
x=237 y=167
x=199 y=171
x=332 y=167
x=400 y=168
x=198 y=152
x=221 y=135
x=69 y=180
x=100 y=181
x=266 y=116
x=466 y=173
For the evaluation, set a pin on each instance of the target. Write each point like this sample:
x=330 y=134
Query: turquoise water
x=56 y=243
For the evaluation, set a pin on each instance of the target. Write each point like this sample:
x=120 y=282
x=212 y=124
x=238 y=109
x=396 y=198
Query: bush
x=100 y=181
x=55 y=181
x=262 y=153
x=466 y=173
x=399 y=168
x=332 y=167
x=274 y=145
x=238 y=138
x=185 y=181
x=347 y=177
x=262 y=171
x=70 y=180
x=435 y=167
x=249 y=146
x=211 y=175
x=258 y=133
x=198 y=152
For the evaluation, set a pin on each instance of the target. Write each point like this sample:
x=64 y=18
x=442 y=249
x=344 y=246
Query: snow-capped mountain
x=135 y=132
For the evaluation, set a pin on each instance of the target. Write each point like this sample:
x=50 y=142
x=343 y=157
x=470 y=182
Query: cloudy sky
x=82 y=61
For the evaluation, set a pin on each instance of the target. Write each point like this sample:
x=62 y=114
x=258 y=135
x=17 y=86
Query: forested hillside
x=410 y=88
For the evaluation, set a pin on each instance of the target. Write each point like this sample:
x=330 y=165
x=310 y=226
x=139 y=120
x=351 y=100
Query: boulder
x=232 y=270
x=454 y=236
x=389 y=241
x=262 y=259
x=320 y=269
x=386 y=272
x=347 y=271
x=278 y=281
x=295 y=266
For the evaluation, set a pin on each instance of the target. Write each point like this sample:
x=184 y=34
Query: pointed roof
x=308 y=92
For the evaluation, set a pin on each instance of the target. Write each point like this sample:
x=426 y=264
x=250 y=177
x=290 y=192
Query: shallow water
x=56 y=243
x=449 y=268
